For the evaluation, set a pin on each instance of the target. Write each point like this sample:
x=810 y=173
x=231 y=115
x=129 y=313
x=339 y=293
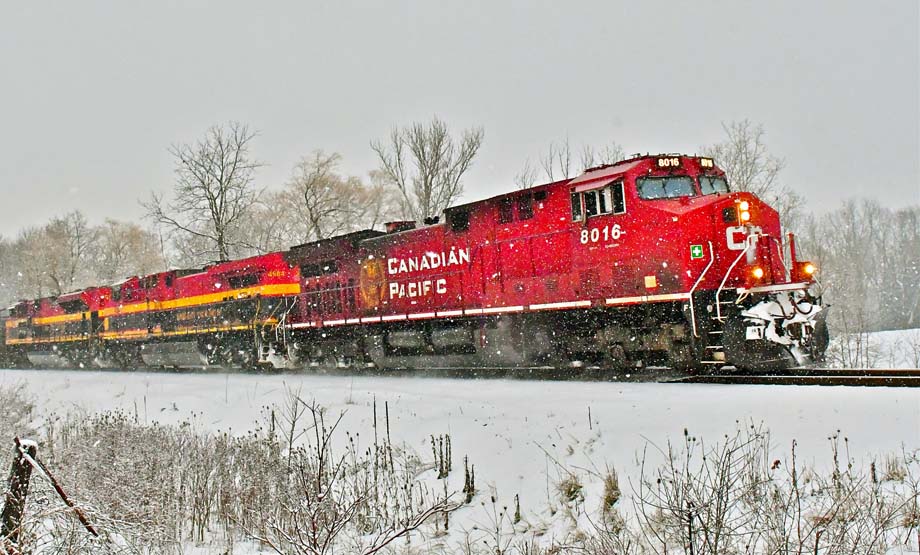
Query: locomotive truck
x=649 y=261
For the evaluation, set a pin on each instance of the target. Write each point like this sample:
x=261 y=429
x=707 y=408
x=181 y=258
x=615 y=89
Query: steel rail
x=828 y=377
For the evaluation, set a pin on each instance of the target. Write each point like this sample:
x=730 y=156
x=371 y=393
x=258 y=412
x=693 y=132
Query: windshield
x=710 y=184
x=651 y=188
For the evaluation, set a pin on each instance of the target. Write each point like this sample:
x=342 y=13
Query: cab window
x=711 y=184
x=676 y=186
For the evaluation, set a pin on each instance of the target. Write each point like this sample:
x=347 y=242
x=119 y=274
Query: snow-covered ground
x=511 y=430
x=518 y=433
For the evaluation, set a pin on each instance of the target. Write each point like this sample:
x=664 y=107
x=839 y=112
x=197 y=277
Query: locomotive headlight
x=757 y=272
x=743 y=211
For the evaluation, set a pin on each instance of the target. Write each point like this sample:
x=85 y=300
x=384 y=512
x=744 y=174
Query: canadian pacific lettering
x=428 y=261
x=421 y=288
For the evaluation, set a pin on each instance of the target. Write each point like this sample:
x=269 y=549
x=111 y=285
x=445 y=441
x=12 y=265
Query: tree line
x=868 y=255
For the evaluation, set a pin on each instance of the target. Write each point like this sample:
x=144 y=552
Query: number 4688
x=606 y=233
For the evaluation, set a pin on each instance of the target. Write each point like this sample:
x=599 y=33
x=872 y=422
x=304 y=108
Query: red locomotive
x=650 y=261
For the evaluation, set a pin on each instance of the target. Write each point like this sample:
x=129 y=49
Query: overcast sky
x=92 y=94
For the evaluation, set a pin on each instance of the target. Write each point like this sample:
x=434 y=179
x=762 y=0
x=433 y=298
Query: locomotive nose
x=753 y=243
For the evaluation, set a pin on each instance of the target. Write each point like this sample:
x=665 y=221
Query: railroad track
x=792 y=376
x=814 y=376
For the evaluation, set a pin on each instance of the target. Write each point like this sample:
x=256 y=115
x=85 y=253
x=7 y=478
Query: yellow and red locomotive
x=650 y=261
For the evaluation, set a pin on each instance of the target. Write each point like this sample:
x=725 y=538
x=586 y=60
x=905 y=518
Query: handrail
x=712 y=259
x=728 y=273
x=283 y=320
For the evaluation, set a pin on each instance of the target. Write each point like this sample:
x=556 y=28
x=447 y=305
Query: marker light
x=804 y=271
x=757 y=272
x=745 y=216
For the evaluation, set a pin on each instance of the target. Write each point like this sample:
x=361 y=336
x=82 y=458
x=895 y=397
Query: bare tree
x=318 y=202
x=558 y=161
x=324 y=201
x=426 y=165
x=7 y=272
x=271 y=224
x=744 y=157
x=868 y=256
x=213 y=190
x=54 y=258
x=608 y=154
x=749 y=166
x=69 y=240
x=125 y=249
x=527 y=177
x=27 y=258
x=375 y=202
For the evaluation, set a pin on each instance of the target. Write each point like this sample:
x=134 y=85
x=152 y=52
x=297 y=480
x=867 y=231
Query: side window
x=525 y=207
x=576 y=207
x=609 y=200
x=619 y=198
x=603 y=200
x=505 y=210
x=315 y=270
x=591 y=204
x=239 y=282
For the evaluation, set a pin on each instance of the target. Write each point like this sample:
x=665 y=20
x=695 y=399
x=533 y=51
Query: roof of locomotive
x=316 y=251
x=354 y=237
x=606 y=171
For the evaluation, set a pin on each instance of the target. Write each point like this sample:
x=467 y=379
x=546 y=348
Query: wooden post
x=18 y=488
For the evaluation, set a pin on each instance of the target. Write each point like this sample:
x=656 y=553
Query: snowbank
x=515 y=432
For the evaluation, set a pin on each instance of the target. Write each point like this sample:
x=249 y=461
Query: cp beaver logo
x=372 y=282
